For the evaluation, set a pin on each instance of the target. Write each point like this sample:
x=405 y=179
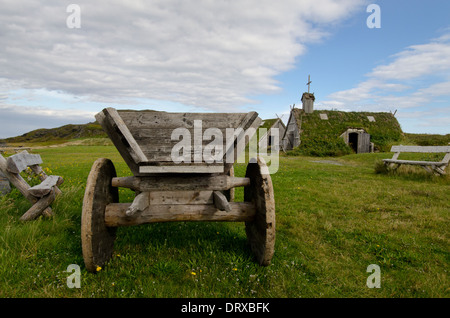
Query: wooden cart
x=169 y=191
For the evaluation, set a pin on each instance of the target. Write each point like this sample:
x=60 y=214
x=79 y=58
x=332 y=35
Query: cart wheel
x=98 y=240
x=261 y=231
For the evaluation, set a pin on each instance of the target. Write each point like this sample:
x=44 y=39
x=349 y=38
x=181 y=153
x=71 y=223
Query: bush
x=322 y=146
x=380 y=167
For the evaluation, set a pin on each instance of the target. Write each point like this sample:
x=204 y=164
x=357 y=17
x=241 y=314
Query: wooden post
x=5 y=188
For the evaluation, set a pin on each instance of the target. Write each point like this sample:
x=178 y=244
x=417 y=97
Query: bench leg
x=39 y=207
x=427 y=169
x=439 y=171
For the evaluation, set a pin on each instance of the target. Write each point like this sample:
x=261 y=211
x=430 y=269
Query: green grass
x=332 y=222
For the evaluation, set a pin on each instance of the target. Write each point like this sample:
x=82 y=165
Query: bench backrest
x=19 y=162
x=422 y=149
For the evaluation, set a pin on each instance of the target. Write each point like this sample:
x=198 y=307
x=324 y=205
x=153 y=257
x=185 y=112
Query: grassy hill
x=426 y=139
x=57 y=135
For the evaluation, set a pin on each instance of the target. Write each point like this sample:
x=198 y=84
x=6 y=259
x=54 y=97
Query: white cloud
x=416 y=80
x=416 y=61
x=209 y=54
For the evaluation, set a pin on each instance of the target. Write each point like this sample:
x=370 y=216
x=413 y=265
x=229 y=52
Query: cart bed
x=143 y=138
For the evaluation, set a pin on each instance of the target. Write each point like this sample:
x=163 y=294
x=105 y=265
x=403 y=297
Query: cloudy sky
x=222 y=56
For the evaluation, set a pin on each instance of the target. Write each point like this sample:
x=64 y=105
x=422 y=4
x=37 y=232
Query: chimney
x=308 y=102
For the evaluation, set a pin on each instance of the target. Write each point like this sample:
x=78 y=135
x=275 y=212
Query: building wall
x=291 y=137
x=267 y=139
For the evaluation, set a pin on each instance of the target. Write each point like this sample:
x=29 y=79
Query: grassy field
x=335 y=217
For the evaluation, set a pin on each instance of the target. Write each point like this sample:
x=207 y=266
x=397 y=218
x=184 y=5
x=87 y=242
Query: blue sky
x=223 y=56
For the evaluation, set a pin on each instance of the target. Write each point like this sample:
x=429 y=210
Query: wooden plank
x=46 y=186
x=421 y=149
x=446 y=159
x=231 y=153
x=184 y=159
x=37 y=169
x=5 y=188
x=180 y=197
x=137 y=120
x=412 y=162
x=38 y=208
x=17 y=180
x=180 y=183
x=19 y=162
x=119 y=134
x=145 y=199
x=181 y=169
x=144 y=136
x=439 y=170
x=240 y=212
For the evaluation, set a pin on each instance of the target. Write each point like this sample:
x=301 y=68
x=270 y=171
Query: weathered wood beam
x=144 y=199
x=115 y=214
x=119 y=134
x=182 y=169
x=21 y=185
x=180 y=183
x=39 y=207
x=419 y=163
x=251 y=120
x=37 y=169
x=46 y=186
x=17 y=180
x=422 y=149
x=19 y=162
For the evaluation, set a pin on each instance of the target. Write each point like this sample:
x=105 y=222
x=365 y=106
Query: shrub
x=380 y=167
x=322 y=146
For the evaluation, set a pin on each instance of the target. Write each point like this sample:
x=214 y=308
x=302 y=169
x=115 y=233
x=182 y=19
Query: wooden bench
x=437 y=167
x=41 y=195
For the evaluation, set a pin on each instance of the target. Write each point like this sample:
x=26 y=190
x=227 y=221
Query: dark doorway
x=291 y=140
x=353 y=141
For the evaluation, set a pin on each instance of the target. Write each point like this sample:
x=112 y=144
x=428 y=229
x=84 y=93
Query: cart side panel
x=144 y=138
x=121 y=137
x=153 y=131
